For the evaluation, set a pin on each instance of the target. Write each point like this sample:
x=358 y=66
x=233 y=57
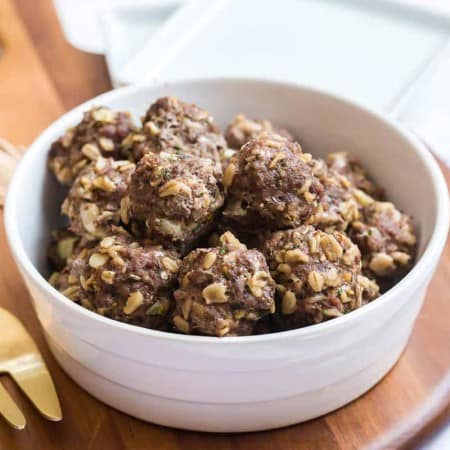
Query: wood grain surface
x=41 y=76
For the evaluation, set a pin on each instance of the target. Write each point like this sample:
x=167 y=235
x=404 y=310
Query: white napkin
x=425 y=109
x=138 y=36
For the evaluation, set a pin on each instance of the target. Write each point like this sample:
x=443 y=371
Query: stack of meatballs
x=177 y=227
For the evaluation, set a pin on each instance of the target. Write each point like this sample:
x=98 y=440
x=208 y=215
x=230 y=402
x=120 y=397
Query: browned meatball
x=318 y=275
x=386 y=239
x=174 y=198
x=93 y=204
x=173 y=126
x=339 y=205
x=224 y=290
x=101 y=132
x=243 y=129
x=270 y=185
x=122 y=279
x=348 y=166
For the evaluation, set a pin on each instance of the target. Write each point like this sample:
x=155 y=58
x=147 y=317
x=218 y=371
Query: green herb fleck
x=165 y=173
x=223 y=250
x=157 y=309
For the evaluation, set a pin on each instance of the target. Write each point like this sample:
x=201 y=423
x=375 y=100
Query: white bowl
x=238 y=383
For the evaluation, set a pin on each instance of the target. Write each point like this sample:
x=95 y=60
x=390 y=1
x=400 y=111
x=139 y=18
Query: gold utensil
x=21 y=359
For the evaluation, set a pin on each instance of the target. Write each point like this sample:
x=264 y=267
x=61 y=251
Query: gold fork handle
x=10 y=411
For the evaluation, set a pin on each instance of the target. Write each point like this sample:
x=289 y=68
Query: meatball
x=339 y=204
x=93 y=204
x=348 y=166
x=122 y=279
x=270 y=185
x=318 y=275
x=173 y=126
x=243 y=129
x=386 y=239
x=174 y=198
x=101 y=132
x=223 y=290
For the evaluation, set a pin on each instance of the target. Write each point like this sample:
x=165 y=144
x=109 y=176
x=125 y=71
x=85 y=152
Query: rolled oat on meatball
x=318 y=275
x=93 y=204
x=242 y=129
x=174 y=198
x=224 y=290
x=386 y=239
x=225 y=157
x=62 y=246
x=100 y=133
x=348 y=166
x=213 y=239
x=271 y=185
x=173 y=126
x=122 y=279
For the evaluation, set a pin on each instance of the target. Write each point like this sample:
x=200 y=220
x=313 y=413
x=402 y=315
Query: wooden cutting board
x=41 y=76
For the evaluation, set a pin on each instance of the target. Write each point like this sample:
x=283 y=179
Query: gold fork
x=21 y=359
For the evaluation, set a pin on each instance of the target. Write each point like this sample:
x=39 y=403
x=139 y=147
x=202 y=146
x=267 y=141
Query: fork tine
x=20 y=357
x=10 y=411
x=33 y=378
